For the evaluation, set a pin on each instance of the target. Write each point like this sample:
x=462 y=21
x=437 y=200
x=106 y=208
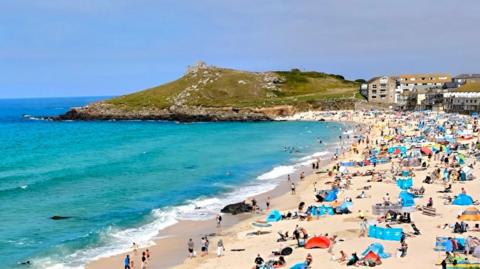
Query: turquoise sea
x=123 y=181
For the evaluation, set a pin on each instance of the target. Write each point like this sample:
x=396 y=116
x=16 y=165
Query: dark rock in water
x=59 y=217
x=237 y=208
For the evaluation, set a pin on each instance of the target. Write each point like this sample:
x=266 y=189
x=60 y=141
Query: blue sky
x=112 y=47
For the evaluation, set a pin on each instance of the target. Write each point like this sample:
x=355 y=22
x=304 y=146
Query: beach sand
x=171 y=252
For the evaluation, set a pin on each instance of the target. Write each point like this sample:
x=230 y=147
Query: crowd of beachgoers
x=403 y=193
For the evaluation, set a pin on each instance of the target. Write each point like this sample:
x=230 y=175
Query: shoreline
x=175 y=236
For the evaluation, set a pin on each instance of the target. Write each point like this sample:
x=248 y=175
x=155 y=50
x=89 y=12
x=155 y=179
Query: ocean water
x=123 y=181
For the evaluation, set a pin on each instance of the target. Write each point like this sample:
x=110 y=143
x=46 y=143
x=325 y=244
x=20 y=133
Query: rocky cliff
x=207 y=93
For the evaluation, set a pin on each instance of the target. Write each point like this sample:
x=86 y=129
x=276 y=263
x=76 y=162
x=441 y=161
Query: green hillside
x=219 y=87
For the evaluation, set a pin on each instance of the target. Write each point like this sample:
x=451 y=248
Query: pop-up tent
x=274 y=216
x=407 y=199
x=470 y=214
x=318 y=242
x=392 y=234
x=463 y=199
x=378 y=249
x=331 y=196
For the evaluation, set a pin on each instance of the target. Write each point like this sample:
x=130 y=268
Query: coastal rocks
x=106 y=111
x=237 y=208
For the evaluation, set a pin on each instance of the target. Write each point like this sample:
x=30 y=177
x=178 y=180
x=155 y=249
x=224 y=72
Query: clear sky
x=112 y=47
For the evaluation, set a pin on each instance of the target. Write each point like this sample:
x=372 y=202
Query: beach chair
x=429 y=211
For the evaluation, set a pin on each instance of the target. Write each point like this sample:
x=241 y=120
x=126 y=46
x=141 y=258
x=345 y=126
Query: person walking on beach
x=126 y=262
x=302 y=176
x=219 y=221
x=203 y=247
x=268 y=203
x=191 y=250
x=293 y=188
x=220 y=248
x=144 y=261
x=363 y=227
x=148 y=254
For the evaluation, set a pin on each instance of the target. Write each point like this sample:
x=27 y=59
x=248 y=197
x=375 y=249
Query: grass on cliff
x=219 y=87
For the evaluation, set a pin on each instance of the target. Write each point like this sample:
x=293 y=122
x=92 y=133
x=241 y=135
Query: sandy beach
x=238 y=234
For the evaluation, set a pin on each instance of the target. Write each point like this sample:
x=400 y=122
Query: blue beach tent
x=274 y=216
x=463 y=199
x=331 y=196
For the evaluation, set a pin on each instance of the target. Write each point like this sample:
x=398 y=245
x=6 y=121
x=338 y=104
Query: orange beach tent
x=318 y=242
x=470 y=214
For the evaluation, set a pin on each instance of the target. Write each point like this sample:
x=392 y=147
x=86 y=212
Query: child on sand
x=220 y=248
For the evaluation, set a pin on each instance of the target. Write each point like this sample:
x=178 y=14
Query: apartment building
x=462 y=102
x=419 y=81
x=467 y=78
x=381 y=90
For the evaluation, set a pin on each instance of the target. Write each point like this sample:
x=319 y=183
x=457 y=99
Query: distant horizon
x=57 y=97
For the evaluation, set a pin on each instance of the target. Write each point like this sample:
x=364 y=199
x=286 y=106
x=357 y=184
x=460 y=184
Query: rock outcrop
x=237 y=208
